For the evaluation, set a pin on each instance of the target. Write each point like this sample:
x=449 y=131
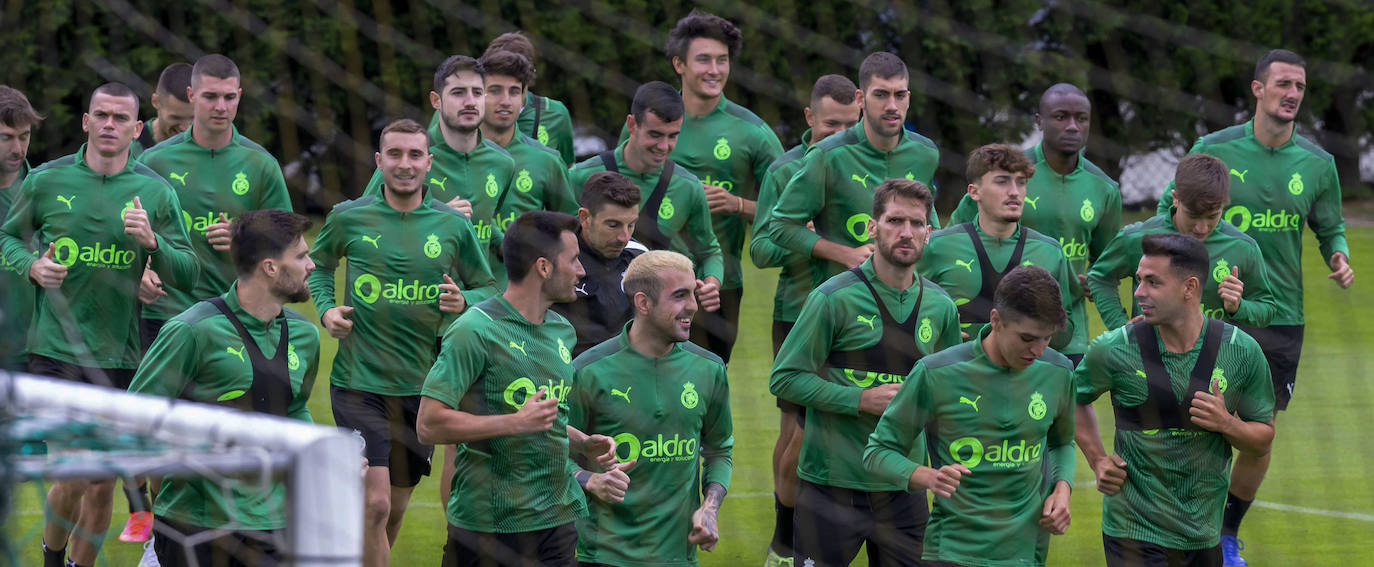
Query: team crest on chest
x=689 y=397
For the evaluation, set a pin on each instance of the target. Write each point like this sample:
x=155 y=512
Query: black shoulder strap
x=608 y=161
x=538 y=102
x=271 y=389
x=1163 y=409
x=647 y=231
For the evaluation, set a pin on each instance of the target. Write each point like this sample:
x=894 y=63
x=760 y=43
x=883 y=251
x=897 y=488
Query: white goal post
x=321 y=465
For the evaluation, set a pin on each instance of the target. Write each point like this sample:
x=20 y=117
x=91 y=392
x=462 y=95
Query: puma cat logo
x=439 y=183
x=181 y=177
x=973 y=402
x=238 y=353
x=869 y=320
x=625 y=394
x=520 y=347
x=66 y=200
x=1240 y=174
x=967 y=265
x=862 y=180
x=372 y=240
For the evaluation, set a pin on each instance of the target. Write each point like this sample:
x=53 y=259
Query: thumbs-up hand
x=1208 y=410
x=611 y=485
x=450 y=297
x=218 y=234
x=336 y=321
x=45 y=271
x=136 y=225
x=1230 y=289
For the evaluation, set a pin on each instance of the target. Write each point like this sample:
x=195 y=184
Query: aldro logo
x=722 y=149
x=369 y=288
x=1074 y=250
x=1268 y=220
x=523 y=183
x=201 y=223
x=240 y=184
x=522 y=390
x=971 y=452
x=657 y=449
x=491 y=187
x=432 y=246
x=864 y=379
x=857 y=226
x=68 y=252
x=725 y=184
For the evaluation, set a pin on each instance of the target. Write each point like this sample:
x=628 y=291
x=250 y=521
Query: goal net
x=53 y=430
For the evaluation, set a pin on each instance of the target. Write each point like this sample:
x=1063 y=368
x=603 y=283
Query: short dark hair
x=1276 y=56
x=534 y=235
x=258 y=235
x=1029 y=291
x=1187 y=255
x=403 y=126
x=214 y=65
x=904 y=188
x=838 y=87
x=702 y=24
x=514 y=42
x=1061 y=89
x=609 y=188
x=510 y=64
x=15 y=110
x=452 y=66
x=174 y=80
x=882 y=65
x=1202 y=183
x=657 y=97
x=997 y=156
x=115 y=88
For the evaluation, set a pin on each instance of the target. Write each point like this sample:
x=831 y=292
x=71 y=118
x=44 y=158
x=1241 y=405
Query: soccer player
x=18 y=119
x=98 y=217
x=217 y=174
x=1201 y=190
x=541 y=178
x=993 y=496
x=1282 y=181
x=397 y=302
x=171 y=100
x=858 y=336
x=834 y=188
x=666 y=402
x=470 y=173
x=1071 y=199
x=610 y=207
x=243 y=349
x=968 y=259
x=834 y=106
x=499 y=390
x=1205 y=391
x=673 y=214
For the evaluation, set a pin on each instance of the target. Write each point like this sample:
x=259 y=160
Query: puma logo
x=973 y=402
x=862 y=180
x=1240 y=174
x=66 y=201
x=372 y=240
x=967 y=265
x=181 y=177
x=1031 y=202
x=520 y=347
x=238 y=353
x=439 y=183
x=582 y=289
x=869 y=320
x=625 y=394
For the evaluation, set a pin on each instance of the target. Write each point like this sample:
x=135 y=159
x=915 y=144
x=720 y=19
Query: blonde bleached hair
x=643 y=273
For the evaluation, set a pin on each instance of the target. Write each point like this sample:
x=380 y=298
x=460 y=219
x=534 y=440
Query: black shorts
x=387 y=424
x=118 y=378
x=832 y=523
x=148 y=330
x=1282 y=346
x=780 y=330
x=717 y=330
x=1123 y=552
x=234 y=548
x=549 y=547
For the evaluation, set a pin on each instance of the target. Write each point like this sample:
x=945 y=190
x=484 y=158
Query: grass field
x=1316 y=508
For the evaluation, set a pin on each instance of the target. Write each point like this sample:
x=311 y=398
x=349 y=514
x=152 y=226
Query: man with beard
x=666 y=401
x=1281 y=181
x=541 y=178
x=242 y=349
x=171 y=100
x=386 y=339
x=17 y=122
x=857 y=337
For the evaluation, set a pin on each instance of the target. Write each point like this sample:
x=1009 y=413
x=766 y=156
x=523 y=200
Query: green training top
x=396 y=262
x=683 y=217
x=16 y=295
x=799 y=272
x=482 y=177
x=541 y=182
x=199 y=356
x=555 y=126
x=491 y=363
x=949 y=260
x=992 y=520
x=1176 y=479
x=676 y=423
x=834 y=188
x=1227 y=248
x=1274 y=192
x=239 y=177
x=66 y=203
x=841 y=315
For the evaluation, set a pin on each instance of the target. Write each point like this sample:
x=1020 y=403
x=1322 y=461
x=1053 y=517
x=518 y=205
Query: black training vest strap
x=1162 y=409
x=538 y=102
x=647 y=231
x=896 y=352
x=271 y=390
x=979 y=308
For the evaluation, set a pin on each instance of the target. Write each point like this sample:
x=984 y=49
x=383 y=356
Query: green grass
x=1319 y=462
